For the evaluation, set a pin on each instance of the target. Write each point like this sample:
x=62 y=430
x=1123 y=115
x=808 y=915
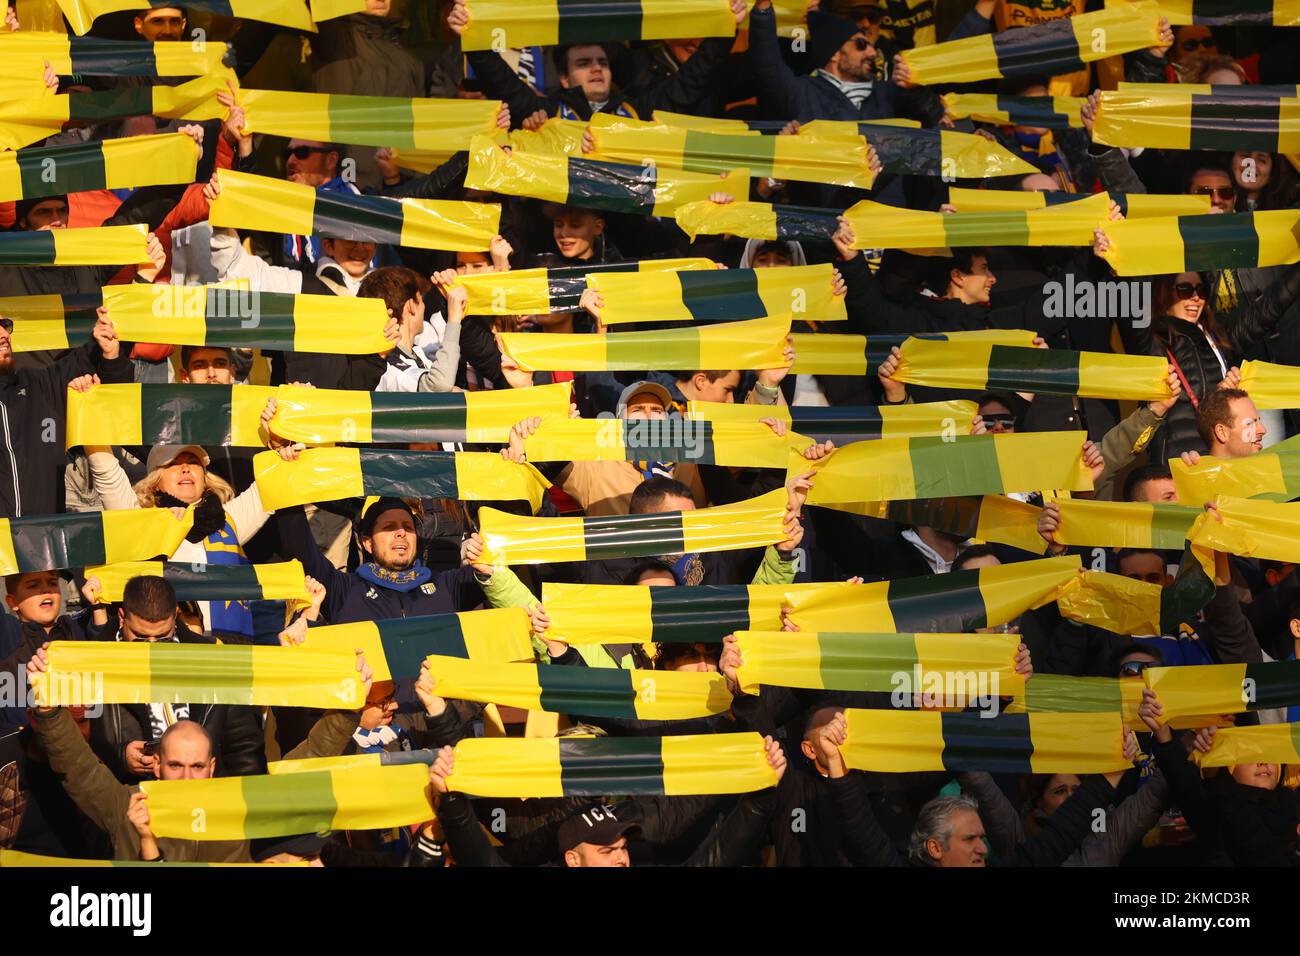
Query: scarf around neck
x=403 y=581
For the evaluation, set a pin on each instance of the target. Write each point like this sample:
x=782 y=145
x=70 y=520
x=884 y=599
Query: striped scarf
x=857 y=93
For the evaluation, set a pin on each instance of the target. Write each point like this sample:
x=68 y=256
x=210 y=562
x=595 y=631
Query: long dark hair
x=1163 y=298
x=1280 y=190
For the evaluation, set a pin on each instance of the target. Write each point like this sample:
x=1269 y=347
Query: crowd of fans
x=69 y=784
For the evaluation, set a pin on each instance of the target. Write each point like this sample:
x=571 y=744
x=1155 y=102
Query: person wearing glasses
x=844 y=85
x=1200 y=351
x=125 y=736
x=1194 y=43
x=1210 y=179
x=997 y=409
x=186 y=749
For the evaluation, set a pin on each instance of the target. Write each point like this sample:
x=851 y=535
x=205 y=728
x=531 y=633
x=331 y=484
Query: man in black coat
x=125 y=736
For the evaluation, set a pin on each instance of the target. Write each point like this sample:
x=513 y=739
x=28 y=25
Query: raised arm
x=297 y=542
x=776 y=81
x=1002 y=824
x=90 y=784
x=864 y=842
x=469 y=844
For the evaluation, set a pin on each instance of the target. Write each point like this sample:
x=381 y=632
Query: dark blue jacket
x=350 y=598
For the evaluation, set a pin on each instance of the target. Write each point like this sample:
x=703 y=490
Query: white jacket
x=244 y=512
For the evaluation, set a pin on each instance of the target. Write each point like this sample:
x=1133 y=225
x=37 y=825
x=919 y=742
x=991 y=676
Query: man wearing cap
x=597 y=835
x=33 y=409
x=844 y=86
x=605 y=487
x=391 y=580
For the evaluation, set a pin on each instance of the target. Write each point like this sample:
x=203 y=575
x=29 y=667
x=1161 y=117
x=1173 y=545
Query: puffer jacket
x=1189 y=345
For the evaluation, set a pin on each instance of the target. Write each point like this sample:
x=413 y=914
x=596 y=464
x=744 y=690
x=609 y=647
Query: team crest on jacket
x=371 y=593
x=428 y=588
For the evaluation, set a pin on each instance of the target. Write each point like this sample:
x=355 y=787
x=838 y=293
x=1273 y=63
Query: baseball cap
x=160 y=456
x=636 y=388
x=596 y=824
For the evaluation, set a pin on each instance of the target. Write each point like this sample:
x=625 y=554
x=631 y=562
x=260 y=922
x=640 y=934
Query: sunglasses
x=1005 y=422
x=302 y=152
x=1218 y=192
x=1185 y=290
x=861 y=44
x=1133 y=668
x=1205 y=43
x=151 y=639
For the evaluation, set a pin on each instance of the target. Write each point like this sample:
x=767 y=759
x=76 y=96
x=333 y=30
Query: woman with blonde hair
x=178 y=478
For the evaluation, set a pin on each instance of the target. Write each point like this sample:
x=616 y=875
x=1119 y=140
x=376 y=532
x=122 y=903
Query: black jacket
x=679 y=93
x=33 y=414
x=1190 y=348
x=18 y=642
x=236 y=731
x=872 y=312
x=787 y=96
x=865 y=843
x=732 y=842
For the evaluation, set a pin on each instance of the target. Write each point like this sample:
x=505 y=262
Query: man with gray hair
x=948 y=830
